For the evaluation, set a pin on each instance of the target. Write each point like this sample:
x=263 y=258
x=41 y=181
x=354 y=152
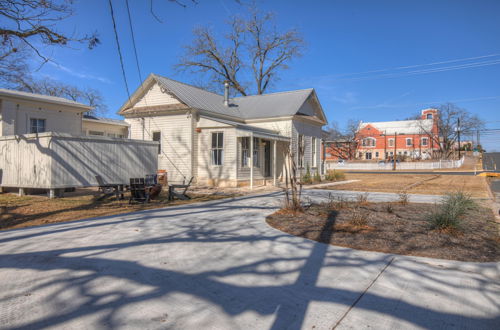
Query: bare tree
x=447 y=121
x=342 y=143
x=89 y=96
x=253 y=47
x=31 y=22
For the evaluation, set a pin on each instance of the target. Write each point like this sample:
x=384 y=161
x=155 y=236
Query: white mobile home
x=43 y=145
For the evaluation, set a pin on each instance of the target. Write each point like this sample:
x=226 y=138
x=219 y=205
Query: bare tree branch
x=253 y=47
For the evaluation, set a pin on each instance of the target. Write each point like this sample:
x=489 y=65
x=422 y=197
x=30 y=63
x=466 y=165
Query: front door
x=267 y=159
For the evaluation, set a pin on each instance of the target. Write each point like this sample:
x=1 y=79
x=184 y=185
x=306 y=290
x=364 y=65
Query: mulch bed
x=394 y=228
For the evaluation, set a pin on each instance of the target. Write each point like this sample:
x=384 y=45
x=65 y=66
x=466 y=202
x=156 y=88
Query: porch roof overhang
x=243 y=130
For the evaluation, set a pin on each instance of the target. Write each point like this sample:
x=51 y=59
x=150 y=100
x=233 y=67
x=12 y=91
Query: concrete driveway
x=218 y=265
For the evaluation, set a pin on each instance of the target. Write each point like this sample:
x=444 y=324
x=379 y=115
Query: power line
x=119 y=48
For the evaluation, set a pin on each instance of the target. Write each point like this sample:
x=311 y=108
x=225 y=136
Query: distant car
x=381 y=162
x=341 y=162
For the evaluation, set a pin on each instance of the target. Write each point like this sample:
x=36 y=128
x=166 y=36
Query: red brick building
x=414 y=139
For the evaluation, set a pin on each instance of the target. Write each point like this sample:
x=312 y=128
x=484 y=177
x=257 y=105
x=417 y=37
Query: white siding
x=155 y=96
x=176 y=142
x=207 y=171
x=58 y=118
x=52 y=160
x=308 y=130
x=106 y=128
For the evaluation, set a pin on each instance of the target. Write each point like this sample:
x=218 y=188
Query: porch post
x=251 y=161
x=274 y=162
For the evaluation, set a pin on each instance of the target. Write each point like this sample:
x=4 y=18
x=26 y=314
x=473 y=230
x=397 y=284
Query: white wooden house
x=221 y=141
x=46 y=143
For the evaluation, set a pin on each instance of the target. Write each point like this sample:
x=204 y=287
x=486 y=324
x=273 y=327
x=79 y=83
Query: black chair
x=138 y=191
x=107 y=189
x=172 y=193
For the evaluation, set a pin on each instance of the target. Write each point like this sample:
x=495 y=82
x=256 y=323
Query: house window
x=37 y=125
x=425 y=141
x=217 y=148
x=157 y=137
x=245 y=151
x=256 y=152
x=409 y=142
x=302 y=149
x=429 y=116
x=368 y=155
x=96 y=133
x=368 y=142
x=376 y=154
x=360 y=155
x=313 y=151
x=391 y=142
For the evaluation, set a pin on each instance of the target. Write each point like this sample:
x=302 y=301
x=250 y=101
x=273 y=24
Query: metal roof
x=402 y=126
x=244 y=107
x=105 y=120
x=42 y=98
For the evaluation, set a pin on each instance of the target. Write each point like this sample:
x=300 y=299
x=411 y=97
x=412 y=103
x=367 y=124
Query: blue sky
x=368 y=60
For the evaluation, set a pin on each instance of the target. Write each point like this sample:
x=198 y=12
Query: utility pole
x=394 y=157
x=385 y=145
x=458 y=131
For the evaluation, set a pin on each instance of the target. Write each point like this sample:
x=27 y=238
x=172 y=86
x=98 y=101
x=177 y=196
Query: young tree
x=448 y=120
x=253 y=47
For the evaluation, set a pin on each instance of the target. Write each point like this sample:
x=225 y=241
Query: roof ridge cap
x=282 y=92
x=186 y=84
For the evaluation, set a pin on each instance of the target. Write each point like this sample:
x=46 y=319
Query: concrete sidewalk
x=218 y=265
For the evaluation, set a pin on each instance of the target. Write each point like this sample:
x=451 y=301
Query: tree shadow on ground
x=285 y=271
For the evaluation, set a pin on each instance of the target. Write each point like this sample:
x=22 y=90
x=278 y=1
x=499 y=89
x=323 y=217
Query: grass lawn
x=394 y=228
x=26 y=211
x=432 y=184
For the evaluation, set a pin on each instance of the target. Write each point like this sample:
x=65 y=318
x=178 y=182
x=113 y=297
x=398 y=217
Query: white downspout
x=251 y=161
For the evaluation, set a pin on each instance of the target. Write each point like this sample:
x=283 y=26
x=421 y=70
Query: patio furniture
x=172 y=193
x=108 y=189
x=151 y=179
x=139 y=192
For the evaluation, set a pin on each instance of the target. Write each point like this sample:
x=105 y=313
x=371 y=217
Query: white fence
x=55 y=160
x=399 y=166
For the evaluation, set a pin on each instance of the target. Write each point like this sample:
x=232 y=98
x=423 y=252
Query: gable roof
x=244 y=107
x=43 y=98
x=401 y=126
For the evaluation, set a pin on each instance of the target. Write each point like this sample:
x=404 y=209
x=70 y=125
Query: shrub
x=362 y=198
x=306 y=178
x=389 y=208
x=358 y=217
x=337 y=202
x=332 y=175
x=317 y=176
x=404 y=198
x=449 y=213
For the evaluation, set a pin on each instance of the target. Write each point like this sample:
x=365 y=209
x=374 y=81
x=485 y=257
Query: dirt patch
x=27 y=211
x=395 y=228
x=432 y=184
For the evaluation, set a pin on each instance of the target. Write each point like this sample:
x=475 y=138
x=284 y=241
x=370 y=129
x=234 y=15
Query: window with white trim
x=245 y=151
x=391 y=142
x=424 y=141
x=157 y=137
x=37 y=125
x=217 y=148
x=256 y=142
x=409 y=142
x=368 y=142
x=96 y=133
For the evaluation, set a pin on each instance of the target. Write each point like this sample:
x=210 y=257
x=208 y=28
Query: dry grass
x=396 y=228
x=27 y=211
x=432 y=184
